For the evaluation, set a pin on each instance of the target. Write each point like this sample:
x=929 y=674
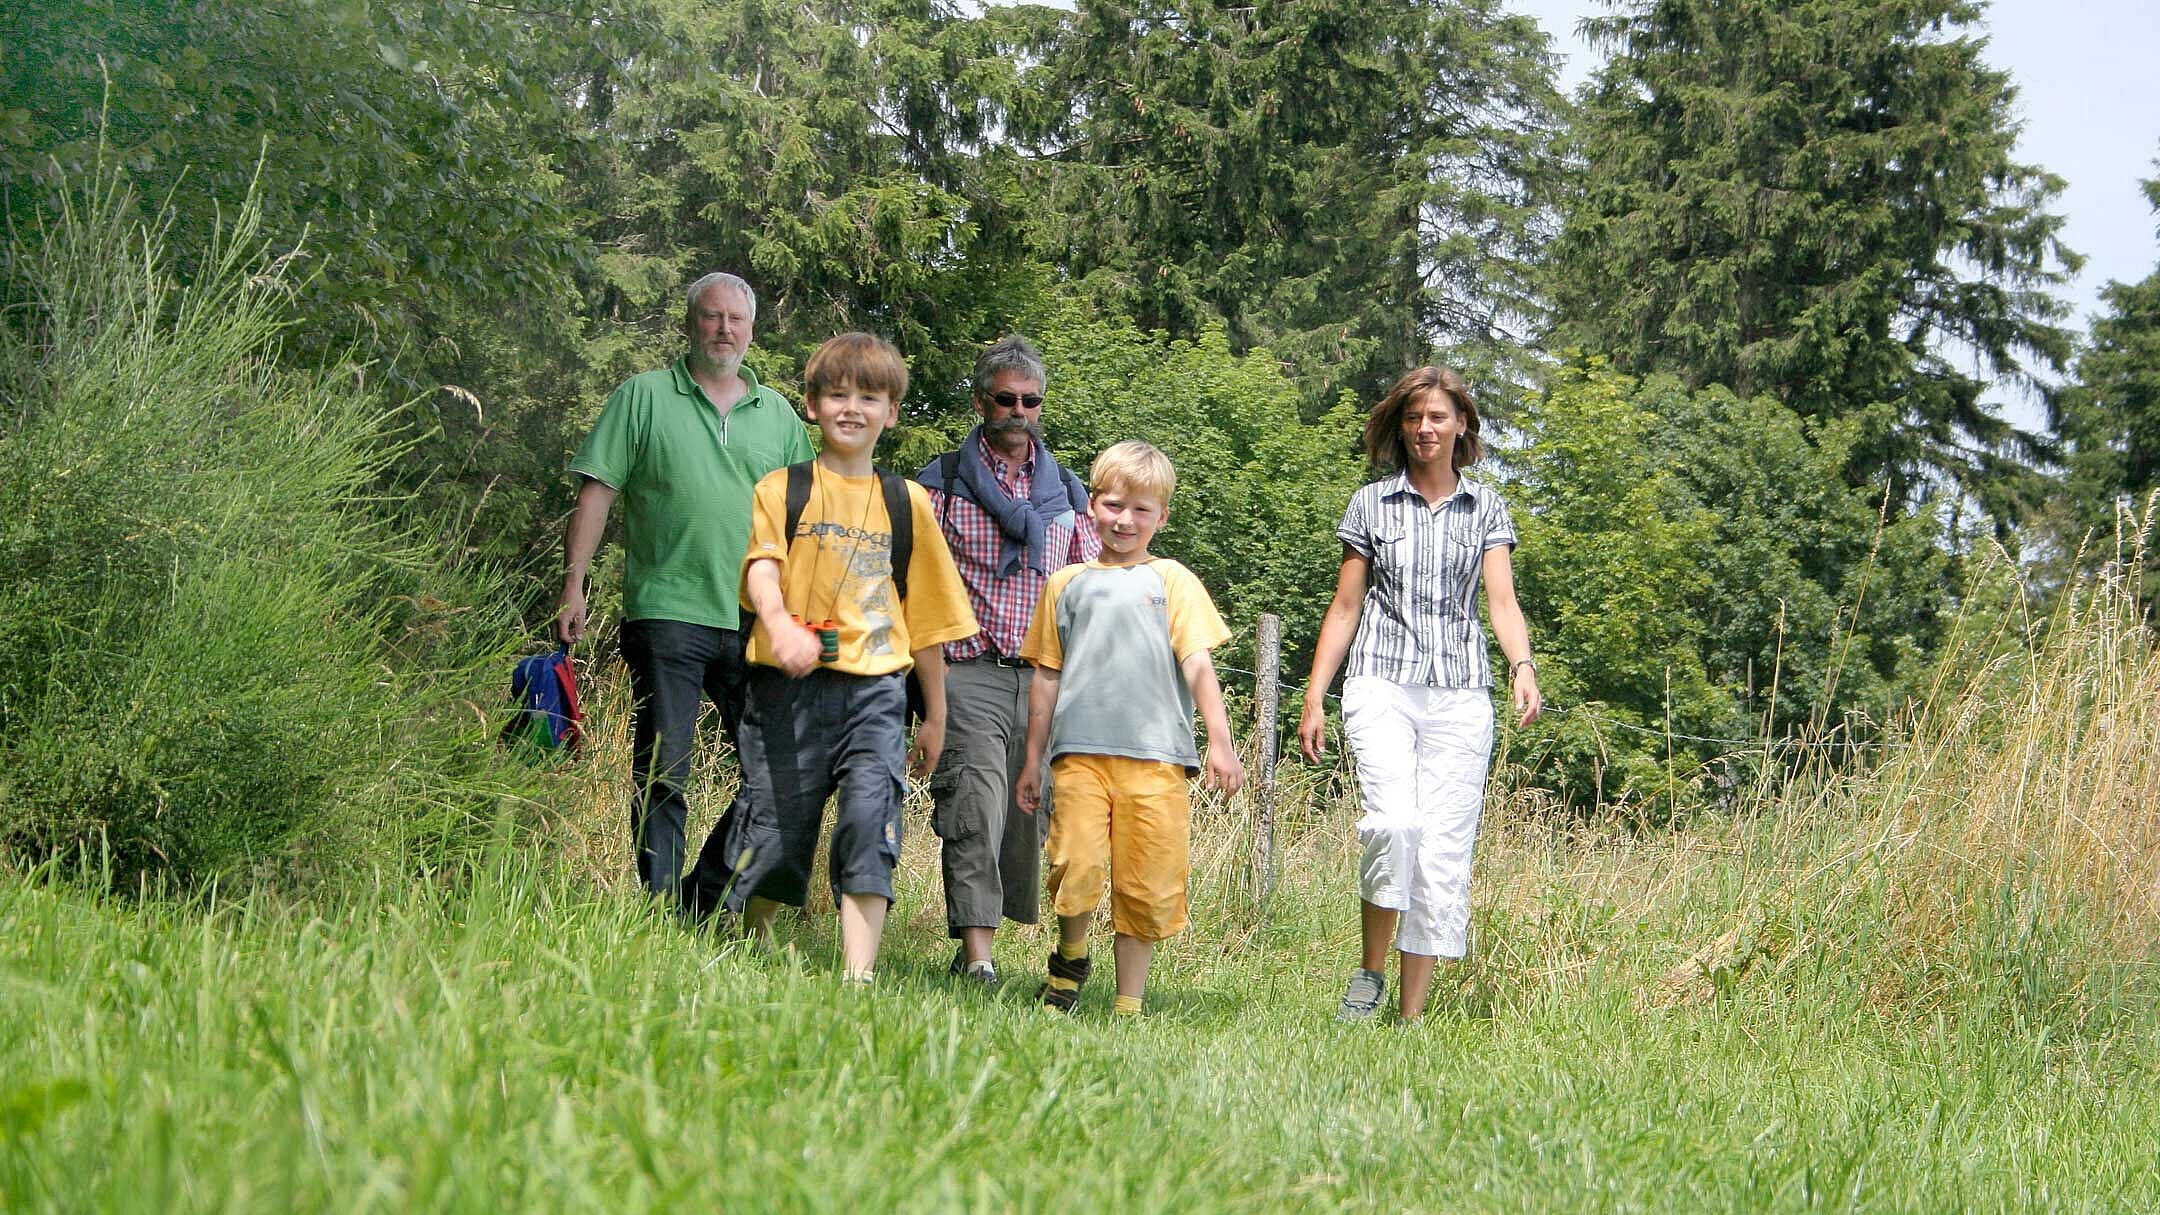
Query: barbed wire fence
x=1267 y=702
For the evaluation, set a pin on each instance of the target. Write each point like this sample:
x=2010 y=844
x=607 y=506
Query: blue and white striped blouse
x=1420 y=622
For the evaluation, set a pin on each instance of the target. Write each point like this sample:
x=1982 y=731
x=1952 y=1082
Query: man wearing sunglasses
x=1011 y=515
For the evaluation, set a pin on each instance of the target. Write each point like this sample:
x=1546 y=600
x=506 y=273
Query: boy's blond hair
x=1136 y=467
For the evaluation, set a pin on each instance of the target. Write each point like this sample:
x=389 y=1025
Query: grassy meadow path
x=1927 y=985
x=526 y=1041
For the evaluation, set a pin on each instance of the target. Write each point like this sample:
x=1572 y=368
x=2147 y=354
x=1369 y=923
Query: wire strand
x=1735 y=744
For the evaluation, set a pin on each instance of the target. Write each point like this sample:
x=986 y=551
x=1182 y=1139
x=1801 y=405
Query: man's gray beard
x=724 y=367
x=999 y=433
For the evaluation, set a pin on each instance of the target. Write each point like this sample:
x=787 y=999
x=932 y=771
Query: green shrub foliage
x=1695 y=564
x=217 y=648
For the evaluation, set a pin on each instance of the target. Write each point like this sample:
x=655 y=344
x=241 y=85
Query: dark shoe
x=984 y=973
x=1062 y=989
x=693 y=913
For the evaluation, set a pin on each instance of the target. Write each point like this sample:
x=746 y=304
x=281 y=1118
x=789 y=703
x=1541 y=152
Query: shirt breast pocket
x=1395 y=559
x=760 y=457
x=1462 y=553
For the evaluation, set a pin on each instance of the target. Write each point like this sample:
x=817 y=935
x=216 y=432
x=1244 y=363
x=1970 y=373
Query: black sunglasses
x=1017 y=400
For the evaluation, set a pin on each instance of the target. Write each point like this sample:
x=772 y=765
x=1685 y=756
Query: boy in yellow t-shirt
x=1120 y=646
x=836 y=633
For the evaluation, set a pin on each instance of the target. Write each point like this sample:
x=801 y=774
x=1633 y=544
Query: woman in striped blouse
x=1417 y=690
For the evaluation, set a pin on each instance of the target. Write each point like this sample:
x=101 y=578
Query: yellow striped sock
x=1062 y=984
x=1127 y=1006
x=1073 y=951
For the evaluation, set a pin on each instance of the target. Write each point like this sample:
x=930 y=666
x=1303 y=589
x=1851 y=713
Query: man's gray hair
x=718 y=278
x=1010 y=353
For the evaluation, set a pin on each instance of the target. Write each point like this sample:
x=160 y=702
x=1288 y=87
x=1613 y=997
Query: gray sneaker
x=1363 y=999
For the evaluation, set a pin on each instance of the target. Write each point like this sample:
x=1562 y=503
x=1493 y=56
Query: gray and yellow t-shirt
x=685 y=474
x=1118 y=634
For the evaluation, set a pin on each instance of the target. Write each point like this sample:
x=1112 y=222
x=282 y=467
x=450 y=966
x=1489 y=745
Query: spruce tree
x=2111 y=413
x=1352 y=183
x=1817 y=199
x=832 y=153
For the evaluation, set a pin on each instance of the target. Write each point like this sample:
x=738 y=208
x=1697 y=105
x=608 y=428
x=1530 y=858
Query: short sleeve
x=1499 y=525
x=1195 y=625
x=610 y=452
x=1043 y=646
x=768 y=518
x=1355 y=529
x=798 y=440
x=937 y=602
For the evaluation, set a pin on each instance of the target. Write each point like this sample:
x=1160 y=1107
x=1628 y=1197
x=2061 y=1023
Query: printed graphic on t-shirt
x=870 y=573
x=844 y=574
x=863 y=561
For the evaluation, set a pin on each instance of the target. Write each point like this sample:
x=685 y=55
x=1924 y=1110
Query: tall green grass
x=219 y=648
x=528 y=1042
x=1926 y=985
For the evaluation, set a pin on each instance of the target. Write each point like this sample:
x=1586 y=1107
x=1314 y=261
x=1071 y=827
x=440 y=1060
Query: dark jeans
x=804 y=741
x=674 y=668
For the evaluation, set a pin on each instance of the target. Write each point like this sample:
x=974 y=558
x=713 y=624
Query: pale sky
x=2084 y=71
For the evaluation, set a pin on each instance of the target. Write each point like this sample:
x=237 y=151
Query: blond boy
x=1121 y=648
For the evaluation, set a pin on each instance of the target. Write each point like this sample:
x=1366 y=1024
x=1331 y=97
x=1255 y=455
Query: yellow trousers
x=1125 y=825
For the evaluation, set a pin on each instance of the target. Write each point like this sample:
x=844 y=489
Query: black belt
x=997 y=659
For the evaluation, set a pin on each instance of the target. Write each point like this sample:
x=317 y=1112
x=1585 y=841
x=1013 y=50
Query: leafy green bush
x=1696 y=564
x=218 y=646
x=1259 y=488
x=1610 y=568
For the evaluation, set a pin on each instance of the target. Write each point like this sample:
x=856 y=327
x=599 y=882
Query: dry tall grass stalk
x=2024 y=792
x=2014 y=832
x=2038 y=769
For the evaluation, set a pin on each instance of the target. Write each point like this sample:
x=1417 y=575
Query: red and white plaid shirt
x=1004 y=606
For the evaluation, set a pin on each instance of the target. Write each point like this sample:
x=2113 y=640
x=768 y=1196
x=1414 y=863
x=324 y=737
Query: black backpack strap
x=798 y=497
x=948 y=469
x=900 y=513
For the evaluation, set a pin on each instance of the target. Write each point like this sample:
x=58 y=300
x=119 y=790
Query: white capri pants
x=1422 y=754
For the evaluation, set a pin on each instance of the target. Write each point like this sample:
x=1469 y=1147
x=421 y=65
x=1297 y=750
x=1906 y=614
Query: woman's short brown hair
x=1383 y=430
x=864 y=360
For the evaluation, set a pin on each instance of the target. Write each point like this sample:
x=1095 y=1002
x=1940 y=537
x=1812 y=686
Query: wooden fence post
x=1268 y=651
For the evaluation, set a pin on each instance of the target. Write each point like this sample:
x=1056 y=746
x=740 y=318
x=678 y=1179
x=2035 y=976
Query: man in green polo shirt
x=682 y=447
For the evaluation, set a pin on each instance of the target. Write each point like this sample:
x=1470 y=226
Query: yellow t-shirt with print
x=839 y=567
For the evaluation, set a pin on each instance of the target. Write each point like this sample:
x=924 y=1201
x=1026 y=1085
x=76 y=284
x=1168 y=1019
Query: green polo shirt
x=685 y=476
